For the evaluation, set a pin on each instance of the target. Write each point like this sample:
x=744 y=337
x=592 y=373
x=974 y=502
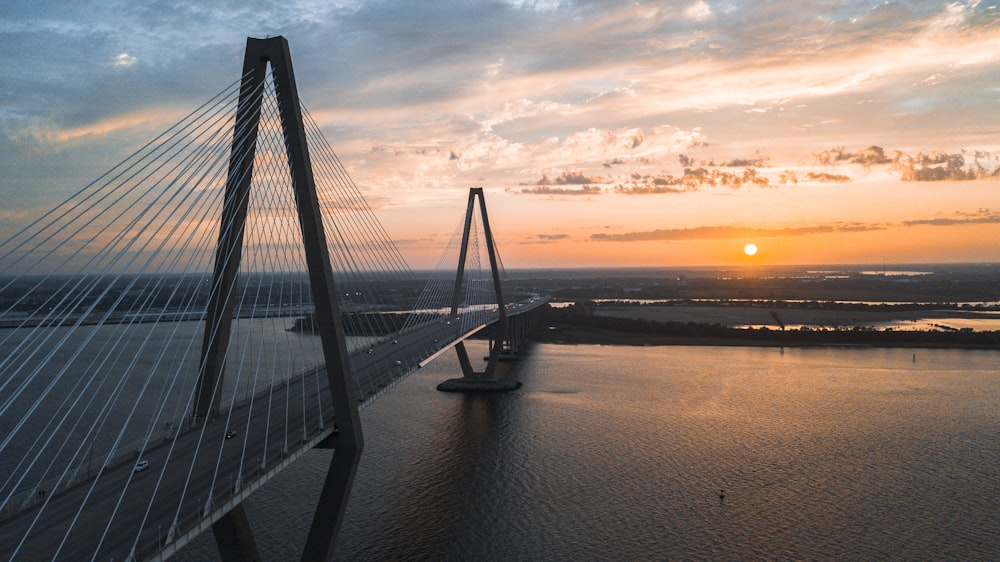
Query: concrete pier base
x=478 y=385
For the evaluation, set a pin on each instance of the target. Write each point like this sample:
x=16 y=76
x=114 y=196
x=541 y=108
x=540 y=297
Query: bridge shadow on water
x=430 y=485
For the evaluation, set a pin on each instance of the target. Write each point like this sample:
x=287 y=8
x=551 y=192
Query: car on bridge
x=141 y=465
x=230 y=434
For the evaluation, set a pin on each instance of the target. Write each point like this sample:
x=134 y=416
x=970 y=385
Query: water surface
x=622 y=452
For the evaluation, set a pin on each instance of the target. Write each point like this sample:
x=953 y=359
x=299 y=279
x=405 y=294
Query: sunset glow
x=617 y=134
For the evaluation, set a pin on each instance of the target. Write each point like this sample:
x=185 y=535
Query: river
x=691 y=453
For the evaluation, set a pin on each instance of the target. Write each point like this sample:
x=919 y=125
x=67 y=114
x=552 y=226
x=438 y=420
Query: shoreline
x=754 y=326
x=577 y=335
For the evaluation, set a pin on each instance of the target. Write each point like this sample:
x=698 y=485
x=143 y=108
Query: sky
x=605 y=133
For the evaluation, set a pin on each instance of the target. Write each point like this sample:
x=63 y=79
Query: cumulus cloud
x=699 y=11
x=692 y=179
x=932 y=165
x=940 y=166
x=870 y=156
x=648 y=184
x=124 y=60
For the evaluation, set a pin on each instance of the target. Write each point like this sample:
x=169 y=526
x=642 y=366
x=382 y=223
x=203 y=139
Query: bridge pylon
x=486 y=380
x=232 y=531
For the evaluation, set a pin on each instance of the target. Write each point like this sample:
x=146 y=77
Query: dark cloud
x=940 y=166
x=548 y=190
x=613 y=162
x=873 y=155
x=745 y=162
x=823 y=177
x=649 y=185
x=569 y=178
x=552 y=237
x=452 y=155
x=934 y=165
x=788 y=176
x=692 y=180
x=637 y=139
x=755 y=162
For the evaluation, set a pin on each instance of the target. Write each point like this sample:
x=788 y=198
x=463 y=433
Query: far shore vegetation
x=588 y=322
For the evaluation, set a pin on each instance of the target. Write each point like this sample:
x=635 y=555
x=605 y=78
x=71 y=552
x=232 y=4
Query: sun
x=750 y=249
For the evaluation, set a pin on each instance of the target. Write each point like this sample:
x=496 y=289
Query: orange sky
x=619 y=134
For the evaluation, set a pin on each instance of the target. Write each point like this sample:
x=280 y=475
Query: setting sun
x=750 y=249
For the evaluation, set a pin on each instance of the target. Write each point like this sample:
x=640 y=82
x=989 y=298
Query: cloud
x=932 y=165
x=823 y=177
x=745 y=162
x=873 y=155
x=569 y=178
x=983 y=216
x=789 y=176
x=730 y=232
x=655 y=184
x=941 y=166
x=124 y=60
x=699 y=11
x=547 y=190
x=144 y=121
x=552 y=237
x=694 y=179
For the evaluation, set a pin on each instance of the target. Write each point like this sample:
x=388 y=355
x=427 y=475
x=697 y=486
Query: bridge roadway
x=195 y=479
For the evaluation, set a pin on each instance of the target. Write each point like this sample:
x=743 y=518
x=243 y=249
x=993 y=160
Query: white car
x=141 y=465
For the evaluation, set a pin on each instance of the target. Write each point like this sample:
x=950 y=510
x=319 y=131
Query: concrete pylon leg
x=234 y=537
x=332 y=503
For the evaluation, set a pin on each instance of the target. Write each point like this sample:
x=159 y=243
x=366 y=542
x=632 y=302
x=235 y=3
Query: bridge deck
x=197 y=475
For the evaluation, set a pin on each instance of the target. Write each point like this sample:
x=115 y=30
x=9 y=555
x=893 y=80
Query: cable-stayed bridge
x=186 y=326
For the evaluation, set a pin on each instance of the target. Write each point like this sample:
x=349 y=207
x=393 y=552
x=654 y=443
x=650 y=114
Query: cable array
x=103 y=322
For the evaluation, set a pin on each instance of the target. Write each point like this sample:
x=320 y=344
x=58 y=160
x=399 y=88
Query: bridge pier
x=473 y=381
x=516 y=339
x=507 y=347
x=485 y=381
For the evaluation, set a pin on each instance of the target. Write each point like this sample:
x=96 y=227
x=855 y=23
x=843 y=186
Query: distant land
x=955 y=305
x=936 y=305
x=898 y=283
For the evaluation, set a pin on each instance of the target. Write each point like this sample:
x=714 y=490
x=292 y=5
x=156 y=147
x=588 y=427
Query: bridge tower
x=486 y=380
x=232 y=531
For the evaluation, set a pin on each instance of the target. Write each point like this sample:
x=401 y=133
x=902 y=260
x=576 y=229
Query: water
x=621 y=453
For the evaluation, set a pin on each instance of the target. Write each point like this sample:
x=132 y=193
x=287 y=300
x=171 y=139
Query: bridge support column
x=332 y=504
x=234 y=537
x=473 y=381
